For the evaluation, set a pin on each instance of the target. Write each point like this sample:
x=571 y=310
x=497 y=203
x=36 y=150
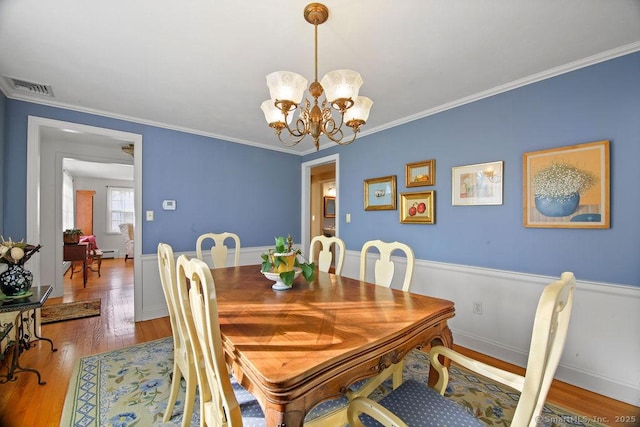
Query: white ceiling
x=114 y=171
x=200 y=65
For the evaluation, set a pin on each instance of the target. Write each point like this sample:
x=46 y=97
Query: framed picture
x=329 y=207
x=567 y=187
x=380 y=193
x=479 y=184
x=417 y=208
x=419 y=174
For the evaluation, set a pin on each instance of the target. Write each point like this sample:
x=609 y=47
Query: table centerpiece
x=281 y=264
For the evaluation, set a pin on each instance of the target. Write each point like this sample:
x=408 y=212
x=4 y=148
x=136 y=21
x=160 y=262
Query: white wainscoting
x=603 y=344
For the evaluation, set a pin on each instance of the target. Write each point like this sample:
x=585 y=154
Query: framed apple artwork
x=417 y=208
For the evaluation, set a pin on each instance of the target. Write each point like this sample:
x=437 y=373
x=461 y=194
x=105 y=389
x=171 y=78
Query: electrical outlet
x=477 y=307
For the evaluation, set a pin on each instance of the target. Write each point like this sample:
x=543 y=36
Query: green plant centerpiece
x=557 y=188
x=71 y=236
x=282 y=264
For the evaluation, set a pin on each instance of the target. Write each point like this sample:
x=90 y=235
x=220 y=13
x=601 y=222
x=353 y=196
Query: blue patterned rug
x=130 y=387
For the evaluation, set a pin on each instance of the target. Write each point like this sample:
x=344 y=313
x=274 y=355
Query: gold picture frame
x=417 y=208
x=567 y=187
x=329 y=204
x=380 y=193
x=420 y=174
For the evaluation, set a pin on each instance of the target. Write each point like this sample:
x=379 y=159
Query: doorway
x=327 y=170
x=43 y=177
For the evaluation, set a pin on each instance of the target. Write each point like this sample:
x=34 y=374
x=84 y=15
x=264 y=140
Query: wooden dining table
x=293 y=349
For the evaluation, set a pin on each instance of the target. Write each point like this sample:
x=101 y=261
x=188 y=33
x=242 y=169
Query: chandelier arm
x=291 y=141
x=341 y=140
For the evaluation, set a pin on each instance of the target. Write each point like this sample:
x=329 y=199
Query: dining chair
x=183 y=361
x=222 y=400
x=325 y=256
x=218 y=250
x=384 y=268
x=416 y=404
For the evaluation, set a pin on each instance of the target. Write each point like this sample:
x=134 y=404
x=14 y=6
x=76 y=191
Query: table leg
x=446 y=339
x=35 y=332
x=84 y=272
x=291 y=418
x=20 y=344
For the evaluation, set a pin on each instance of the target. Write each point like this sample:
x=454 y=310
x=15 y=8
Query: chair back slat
x=384 y=268
x=325 y=256
x=219 y=251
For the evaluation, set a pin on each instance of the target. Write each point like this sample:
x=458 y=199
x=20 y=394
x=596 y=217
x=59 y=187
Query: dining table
x=293 y=349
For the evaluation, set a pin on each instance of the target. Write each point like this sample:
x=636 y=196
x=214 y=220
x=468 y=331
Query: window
x=67 y=201
x=119 y=208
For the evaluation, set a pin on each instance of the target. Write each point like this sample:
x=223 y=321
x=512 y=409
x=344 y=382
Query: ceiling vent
x=30 y=87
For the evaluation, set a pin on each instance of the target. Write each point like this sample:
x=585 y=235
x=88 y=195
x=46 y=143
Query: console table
x=26 y=308
x=77 y=252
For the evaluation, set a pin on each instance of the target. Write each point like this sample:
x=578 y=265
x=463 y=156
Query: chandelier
x=341 y=92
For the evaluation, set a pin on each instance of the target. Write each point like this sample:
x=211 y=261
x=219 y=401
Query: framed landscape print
x=417 y=208
x=420 y=174
x=380 y=193
x=479 y=184
x=567 y=187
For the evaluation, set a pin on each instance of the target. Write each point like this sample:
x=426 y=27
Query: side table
x=26 y=307
x=77 y=252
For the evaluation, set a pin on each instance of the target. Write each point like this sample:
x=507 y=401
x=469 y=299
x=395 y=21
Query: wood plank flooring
x=24 y=403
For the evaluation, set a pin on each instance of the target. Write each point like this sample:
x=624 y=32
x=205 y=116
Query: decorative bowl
x=279 y=285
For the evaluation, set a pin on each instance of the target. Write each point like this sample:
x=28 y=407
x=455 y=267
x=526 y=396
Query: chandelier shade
x=273 y=114
x=340 y=88
x=359 y=111
x=341 y=84
x=286 y=86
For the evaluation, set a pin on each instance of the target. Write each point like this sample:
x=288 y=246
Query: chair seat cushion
x=327 y=408
x=418 y=405
x=252 y=415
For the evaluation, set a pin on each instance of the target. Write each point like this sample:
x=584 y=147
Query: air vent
x=33 y=88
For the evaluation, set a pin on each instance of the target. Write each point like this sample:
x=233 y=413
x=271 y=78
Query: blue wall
x=600 y=102
x=218 y=186
x=224 y=186
x=3 y=108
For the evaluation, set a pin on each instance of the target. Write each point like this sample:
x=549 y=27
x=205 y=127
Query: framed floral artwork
x=567 y=187
x=380 y=193
x=417 y=208
x=479 y=184
x=420 y=174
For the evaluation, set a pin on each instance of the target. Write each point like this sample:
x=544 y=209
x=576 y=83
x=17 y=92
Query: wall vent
x=30 y=87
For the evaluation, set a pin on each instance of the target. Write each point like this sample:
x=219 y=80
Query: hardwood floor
x=24 y=403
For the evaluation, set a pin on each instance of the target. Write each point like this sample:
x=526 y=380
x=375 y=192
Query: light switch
x=149 y=215
x=348 y=218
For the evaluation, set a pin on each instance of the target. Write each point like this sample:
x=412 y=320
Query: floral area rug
x=130 y=387
x=70 y=310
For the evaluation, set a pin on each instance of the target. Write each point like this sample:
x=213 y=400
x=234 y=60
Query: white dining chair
x=425 y=406
x=326 y=255
x=219 y=249
x=384 y=268
x=183 y=361
x=222 y=400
